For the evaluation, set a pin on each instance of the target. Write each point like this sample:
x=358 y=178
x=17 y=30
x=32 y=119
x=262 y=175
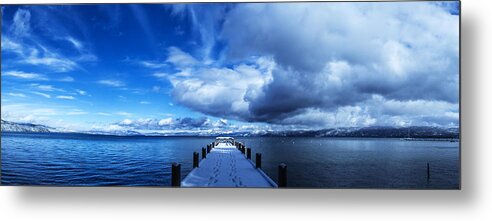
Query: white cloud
x=10 y=45
x=103 y=114
x=42 y=94
x=50 y=59
x=81 y=92
x=156 y=89
x=166 y=121
x=180 y=58
x=21 y=23
x=112 y=83
x=161 y=75
x=86 y=56
x=205 y=20
x=144 y=102
x=67 y=79
x=76 y=43
x=38 y=55
x=16 y=94
x=31 y=51
x=44 y=87
x=152 y=64
x=126 y=122
x=186 y=123
x=122 y=113
x=65 y=97
x=77 y=112
x=222 y=91
x=25 y=75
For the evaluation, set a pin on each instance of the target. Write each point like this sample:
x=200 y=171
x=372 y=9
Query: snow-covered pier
x=226 y=163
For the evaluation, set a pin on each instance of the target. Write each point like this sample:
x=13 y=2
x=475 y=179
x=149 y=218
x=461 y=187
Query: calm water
x=87 y=160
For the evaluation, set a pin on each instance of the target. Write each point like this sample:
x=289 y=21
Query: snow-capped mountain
x=381 y=132
x=8 y=126
x=375 y=132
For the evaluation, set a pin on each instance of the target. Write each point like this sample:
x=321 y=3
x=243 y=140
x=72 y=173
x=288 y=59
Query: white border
x=473 y=202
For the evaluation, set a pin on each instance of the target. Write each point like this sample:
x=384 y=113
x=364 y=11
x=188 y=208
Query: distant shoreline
x=430 y=138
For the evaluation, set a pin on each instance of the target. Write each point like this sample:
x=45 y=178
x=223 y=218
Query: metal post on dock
x=204 y=153
x=428 y=171
x=248 y=153
x=195 y=159
x=258 y=160
x=176 y=175
x=282 y=175
x=208 y=149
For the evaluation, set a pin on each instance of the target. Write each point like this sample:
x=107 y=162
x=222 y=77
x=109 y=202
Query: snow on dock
x=226 y=166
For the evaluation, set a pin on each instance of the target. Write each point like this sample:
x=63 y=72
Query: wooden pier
x=227 y=163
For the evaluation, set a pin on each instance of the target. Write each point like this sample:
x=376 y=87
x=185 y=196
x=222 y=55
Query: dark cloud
x=331 y=64
x=180 y=123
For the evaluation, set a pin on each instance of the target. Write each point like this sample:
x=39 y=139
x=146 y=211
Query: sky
x=231 y=67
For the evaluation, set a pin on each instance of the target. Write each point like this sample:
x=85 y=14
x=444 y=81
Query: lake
x=98 y=160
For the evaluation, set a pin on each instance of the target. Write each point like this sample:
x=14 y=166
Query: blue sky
x=231 y=67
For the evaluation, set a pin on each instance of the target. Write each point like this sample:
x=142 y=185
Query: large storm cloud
x=329 y=64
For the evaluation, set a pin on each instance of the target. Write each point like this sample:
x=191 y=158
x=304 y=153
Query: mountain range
x=8 y=126
x=375 y=132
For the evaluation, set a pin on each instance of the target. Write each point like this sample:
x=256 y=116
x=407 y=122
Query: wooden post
x=208 y=149
x=428 y=171
x=258 y=160
x=176 y=175
x=282 y=175
x=204 y=153
x=195 y=159
x=248 y=153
